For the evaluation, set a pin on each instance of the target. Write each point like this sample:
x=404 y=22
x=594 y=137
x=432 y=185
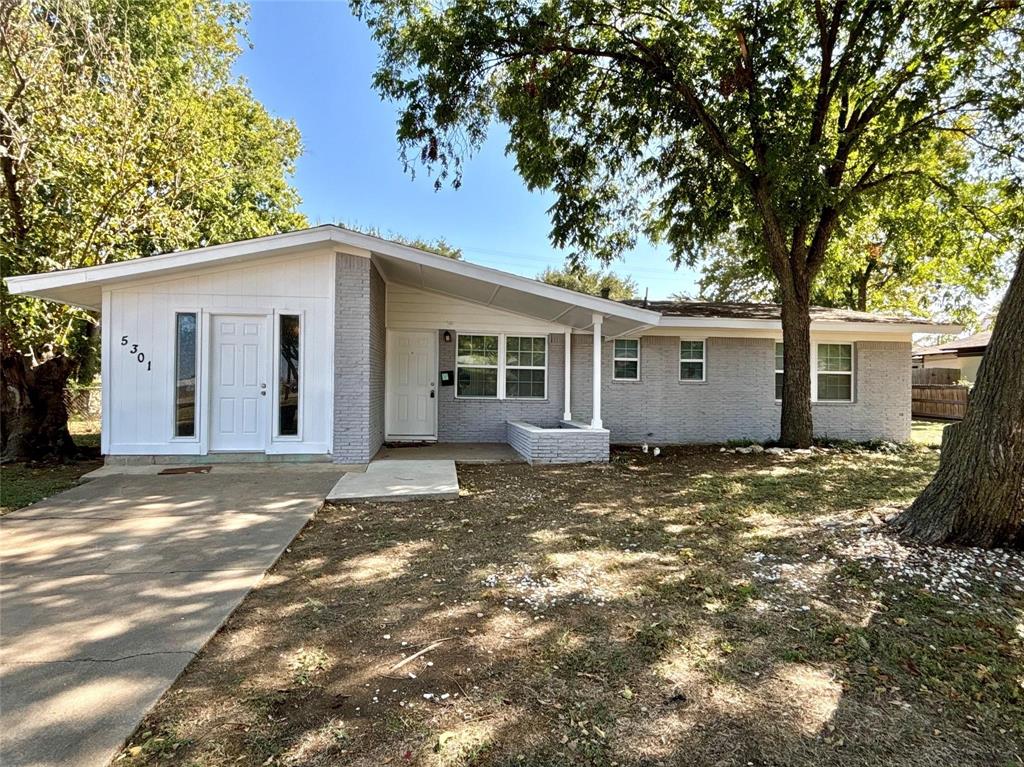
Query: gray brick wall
x=567 y=444
x=737 y=399
x=881 y=406
x=358 y=359
x=483 y=420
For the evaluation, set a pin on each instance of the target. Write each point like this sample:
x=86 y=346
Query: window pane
x=834 y=386
x=478 y=350
x=780 y=360
x=778 y=385
x=524 y=351
x=185 y=375
x=838 y=357
x=626 y=369
x=691 y=371
x=627 y=348
x=288 y=377
x=524 y=384
x=477 y=382
x=691 y=350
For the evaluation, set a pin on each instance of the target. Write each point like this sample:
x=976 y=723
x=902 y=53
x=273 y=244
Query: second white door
x=239 y=396
x=411 y=385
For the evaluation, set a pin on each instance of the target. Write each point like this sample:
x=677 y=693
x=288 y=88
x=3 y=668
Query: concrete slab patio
x=108 y=590
x=398 y=480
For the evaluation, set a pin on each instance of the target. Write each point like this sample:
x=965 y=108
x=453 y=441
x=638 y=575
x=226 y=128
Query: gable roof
x=977 y=342
x=480 y=284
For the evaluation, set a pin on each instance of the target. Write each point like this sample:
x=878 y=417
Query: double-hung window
x=780 y=366
x=626 y=359
x=691 y=360
x=501 y=366
x=525 y=367
x=835 y=372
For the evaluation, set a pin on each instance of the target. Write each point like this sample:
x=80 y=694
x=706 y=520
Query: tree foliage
x=123 y=133
x=937 y=245
x=440 y=246
x=782 y=121
x=593 y=281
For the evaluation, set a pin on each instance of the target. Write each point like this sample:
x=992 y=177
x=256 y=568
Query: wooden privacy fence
x=935 y=376
x=938 y=401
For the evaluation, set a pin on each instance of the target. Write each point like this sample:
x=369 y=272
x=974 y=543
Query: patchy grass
x=701 y=608
x=927 y=433
x=23 y=484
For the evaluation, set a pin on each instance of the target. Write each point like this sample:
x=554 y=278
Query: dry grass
x=698 y=609
x=24 y=484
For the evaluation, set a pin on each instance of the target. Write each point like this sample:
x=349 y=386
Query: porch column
x=595 y=418
x=566 y=405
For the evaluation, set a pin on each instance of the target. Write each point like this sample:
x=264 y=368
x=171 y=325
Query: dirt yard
x=701 y=608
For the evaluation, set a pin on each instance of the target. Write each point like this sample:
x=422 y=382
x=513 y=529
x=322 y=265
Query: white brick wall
x=569 y=444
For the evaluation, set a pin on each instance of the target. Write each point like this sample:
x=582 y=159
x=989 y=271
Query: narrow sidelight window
x=288 y=377
x=626 y=359
x=780 y=361
x=185 y=374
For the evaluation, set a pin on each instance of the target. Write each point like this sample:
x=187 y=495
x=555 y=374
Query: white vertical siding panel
x=141 y=407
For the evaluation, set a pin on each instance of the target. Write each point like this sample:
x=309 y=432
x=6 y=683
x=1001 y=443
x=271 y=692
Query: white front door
x=412 y=385
x=239 y=394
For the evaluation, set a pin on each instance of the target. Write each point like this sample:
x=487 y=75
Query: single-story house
x=963 y=354
x=326 y=343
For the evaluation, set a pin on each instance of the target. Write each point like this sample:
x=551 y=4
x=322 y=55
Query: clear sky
x=312 y=62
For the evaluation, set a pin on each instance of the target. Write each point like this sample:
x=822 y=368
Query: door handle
x=431 y=394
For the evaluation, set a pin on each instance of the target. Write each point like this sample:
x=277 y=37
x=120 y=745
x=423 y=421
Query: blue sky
x=312 y=62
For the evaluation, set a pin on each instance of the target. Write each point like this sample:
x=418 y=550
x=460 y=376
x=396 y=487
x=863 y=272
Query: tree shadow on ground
x=696 y=609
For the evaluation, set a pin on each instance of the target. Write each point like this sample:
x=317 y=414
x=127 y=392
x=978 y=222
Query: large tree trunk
x=34 y=412
x=796 y=427
x=977 y=496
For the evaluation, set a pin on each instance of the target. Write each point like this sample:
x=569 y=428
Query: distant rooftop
x=742 y=311
x=978 y=341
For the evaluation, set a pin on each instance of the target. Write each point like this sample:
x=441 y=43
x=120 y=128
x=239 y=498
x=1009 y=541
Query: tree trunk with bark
x=796 y=425
x=977 y=496
x=35 y=414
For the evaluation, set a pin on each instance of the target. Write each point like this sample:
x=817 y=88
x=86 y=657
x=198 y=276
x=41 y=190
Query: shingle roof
x=742 y=311
x=977 y=341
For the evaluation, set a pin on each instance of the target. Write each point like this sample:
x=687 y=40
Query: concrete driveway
x=108 y=590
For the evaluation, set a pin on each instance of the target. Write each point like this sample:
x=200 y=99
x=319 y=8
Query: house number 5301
x=140 y=357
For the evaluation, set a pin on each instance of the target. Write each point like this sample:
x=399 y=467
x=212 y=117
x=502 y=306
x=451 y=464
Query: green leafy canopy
x=779 y=121
x=124 y=134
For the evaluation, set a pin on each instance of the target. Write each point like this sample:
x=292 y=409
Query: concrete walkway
x=390 y=480
x=108 y=590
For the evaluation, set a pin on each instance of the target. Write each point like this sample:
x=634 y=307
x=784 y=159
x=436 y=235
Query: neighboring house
x=963 y=354
x=325 y=343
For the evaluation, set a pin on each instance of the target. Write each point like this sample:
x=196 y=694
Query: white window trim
x=777 y=369
x=174 y=374
x=851 y=372
x=501 y=367
x=616 y=358
x=275 y=417
x=502 y=359
x=703 y=361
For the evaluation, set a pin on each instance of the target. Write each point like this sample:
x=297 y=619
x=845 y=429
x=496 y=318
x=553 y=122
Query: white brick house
x=325 y=343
